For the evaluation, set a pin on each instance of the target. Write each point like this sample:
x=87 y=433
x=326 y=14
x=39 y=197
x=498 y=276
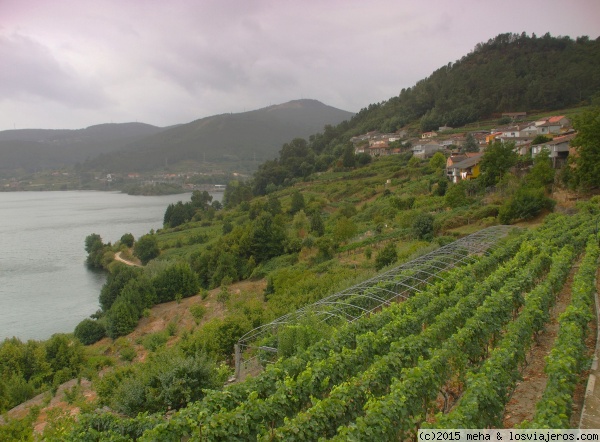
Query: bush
x=155 y=340
x=176 y=279
x=170 y=381
x=127 y=240
x=128 y=354
x=423 y=226
x=198 y=311
x=89 y=331
x=172 y=328
x=224 y=295
x=403 y=203
x=387 y=256
x=122 y=319
x=146 y=248
x=527 y=203
x=456 y=196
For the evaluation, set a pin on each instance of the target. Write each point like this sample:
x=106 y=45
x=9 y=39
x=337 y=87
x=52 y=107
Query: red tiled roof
x=555 y=119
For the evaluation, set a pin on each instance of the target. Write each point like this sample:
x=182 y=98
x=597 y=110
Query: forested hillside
x=246 y=137
x=509 y=73
x=35 y=149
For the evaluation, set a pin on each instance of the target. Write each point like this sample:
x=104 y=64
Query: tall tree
x=201 y=200
x=349 y=158
x=317 y=226
x=268 y=237
x=541 y=174
x=437 y=161
x=146 y=248
x=586 y=173
x=497 y=160
x=297 y=203
x=471 y=144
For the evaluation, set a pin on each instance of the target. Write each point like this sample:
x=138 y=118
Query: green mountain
x=34 y=149
x=511 y=72
x=241 y=137
x=508 y=73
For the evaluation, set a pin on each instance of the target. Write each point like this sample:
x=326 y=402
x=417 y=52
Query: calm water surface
x=45 y=287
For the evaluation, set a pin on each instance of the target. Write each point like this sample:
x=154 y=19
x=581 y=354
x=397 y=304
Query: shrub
x=172 y=328
x=525 y=204
x=176 y=279
x=223 y=295
x=128 y=354
x=89 y=331
x=122 y=319
x=154 y=340
x=423 y=226
x=169 y=381
x=387 y=256
x=127 y=240
x=198 y=311
x=146 y=248
x=456 y=196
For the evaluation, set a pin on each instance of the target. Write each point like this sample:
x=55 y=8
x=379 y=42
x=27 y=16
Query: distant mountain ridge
x=126 y=147
x=254 y=135
x=31 y=149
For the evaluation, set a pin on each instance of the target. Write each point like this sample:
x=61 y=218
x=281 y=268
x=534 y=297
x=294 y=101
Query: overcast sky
x=75 y=63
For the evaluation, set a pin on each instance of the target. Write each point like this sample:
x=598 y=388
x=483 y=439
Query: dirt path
x=529 y=391
x=119 y=258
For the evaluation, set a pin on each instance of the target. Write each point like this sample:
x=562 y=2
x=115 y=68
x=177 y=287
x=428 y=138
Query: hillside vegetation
x=26 y=150
x=509 y=73
x=241 y=140
x=313 y=222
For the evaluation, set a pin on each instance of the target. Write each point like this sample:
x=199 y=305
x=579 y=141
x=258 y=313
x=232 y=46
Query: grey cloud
x=169 y=62
x=30 y=70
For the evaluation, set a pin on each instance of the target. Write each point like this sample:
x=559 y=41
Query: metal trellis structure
x=373 y=294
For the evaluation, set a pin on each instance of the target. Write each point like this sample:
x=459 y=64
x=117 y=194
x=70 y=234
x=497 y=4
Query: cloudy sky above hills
x=74 y=63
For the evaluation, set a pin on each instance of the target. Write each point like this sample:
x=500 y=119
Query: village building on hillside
x=451 y=161
x=426 y=149
x=376 y=143
x=522 y=134
x=379 y=148
x=457 y=140
x=558 y=148
x=553 y=125
x=466 y=169
x=549 y=127
x=492 y=136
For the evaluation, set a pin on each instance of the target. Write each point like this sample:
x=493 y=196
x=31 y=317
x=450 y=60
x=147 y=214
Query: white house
x=424 y=149
x=553 y=125
x=558 y=149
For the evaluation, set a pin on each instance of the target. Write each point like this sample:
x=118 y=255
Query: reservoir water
x=45 y=286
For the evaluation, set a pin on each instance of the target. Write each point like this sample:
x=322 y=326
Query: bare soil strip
x=529 y=391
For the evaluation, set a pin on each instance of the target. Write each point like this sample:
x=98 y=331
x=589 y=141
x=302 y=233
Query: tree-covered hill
x=252 y=136
x=31 y=149
x=509 y=73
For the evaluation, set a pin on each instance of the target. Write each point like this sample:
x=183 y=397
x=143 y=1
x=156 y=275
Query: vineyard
x=449 y=356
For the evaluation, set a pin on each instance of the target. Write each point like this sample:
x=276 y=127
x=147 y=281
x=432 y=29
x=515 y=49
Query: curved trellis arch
x=369 y=296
